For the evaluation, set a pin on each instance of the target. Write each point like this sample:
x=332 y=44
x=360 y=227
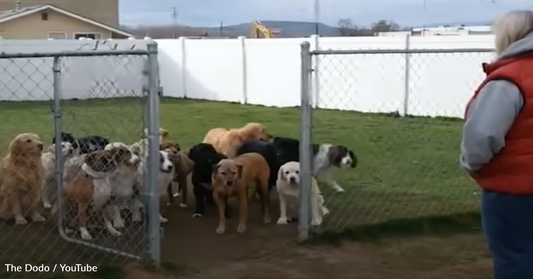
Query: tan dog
x=21 y=176
x=183 y=166
x=232 y=177
x=227 y=141
x=92 y=187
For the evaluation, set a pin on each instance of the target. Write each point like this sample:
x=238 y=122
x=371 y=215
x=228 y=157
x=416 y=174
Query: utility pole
x=221 y=29
x=175 y=14
x=317 y=16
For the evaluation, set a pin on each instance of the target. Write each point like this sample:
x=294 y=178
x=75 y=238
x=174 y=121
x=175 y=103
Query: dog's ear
x=52 y=148
x=192 y=153
x=281 y=174
x=214 y=168
x=90 y=159
x=354 y=159
x=239 y=170
x=120 y=154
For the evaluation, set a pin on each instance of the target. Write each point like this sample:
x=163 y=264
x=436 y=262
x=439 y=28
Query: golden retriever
x=227 y=141
x=21 y=176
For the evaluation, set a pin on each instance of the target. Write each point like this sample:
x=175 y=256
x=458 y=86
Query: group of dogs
x=106 y=177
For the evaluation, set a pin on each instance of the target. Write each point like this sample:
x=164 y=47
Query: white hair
x=511 y=27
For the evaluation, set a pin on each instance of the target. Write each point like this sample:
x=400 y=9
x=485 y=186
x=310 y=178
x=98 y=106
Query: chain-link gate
x=405 y=137
x=91 y=198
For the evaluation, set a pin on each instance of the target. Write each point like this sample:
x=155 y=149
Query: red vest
x=511 y=170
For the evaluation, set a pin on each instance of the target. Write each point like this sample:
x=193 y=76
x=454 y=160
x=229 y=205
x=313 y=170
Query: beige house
x=104 y=11
x=51 y=22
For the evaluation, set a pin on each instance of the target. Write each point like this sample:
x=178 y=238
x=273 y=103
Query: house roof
x=18 y=13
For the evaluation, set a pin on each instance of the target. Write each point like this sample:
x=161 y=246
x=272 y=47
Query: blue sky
x=362 y=12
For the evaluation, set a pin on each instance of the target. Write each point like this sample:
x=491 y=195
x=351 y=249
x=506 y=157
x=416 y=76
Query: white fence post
x=407 y=76
x=316 y=78
x=242 y=41
x=184 y=70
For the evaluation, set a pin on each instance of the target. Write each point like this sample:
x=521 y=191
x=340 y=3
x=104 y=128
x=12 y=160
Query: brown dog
x=21 y=176
x=232 y=177
x=183 y=166
x=227 y=141
x=91 y=187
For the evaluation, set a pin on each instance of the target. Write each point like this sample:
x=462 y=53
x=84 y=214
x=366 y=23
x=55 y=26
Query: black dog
x=204 y=157
x=84 y=145
x=268 y=151
x=288 y=149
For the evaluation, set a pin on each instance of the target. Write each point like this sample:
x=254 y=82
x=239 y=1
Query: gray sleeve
x=490 y=116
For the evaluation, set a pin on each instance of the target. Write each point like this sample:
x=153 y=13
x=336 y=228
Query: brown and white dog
x=288 y=187
x=21 y=177
x=183 y=166
x=231 y=178
x=124 y=182
x=91 y=189
x=227 y=141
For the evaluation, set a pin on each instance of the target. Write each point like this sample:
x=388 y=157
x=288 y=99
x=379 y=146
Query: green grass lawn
x=408 y=167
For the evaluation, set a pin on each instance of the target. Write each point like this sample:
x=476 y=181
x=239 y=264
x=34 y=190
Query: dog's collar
x=89 y=172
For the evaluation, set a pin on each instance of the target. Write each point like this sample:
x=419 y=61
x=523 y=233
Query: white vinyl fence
x=267 y=72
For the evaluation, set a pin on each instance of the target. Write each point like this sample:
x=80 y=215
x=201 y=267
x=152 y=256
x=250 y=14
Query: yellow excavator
x=261 y=31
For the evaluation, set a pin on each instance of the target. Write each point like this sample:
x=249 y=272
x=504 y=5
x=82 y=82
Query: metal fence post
x=56 y=110
x=305 y=143
x=184 y=75
x=407 y=76
x=154 y=227
x=244 y=62
x=316 y=79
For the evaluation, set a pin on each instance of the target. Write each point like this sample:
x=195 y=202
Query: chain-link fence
x=400 y=112
x=90 y=196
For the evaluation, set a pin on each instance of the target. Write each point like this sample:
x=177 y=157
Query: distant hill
x=288 y=29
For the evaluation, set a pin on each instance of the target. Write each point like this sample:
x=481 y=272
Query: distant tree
x=347 y=28
x=384 y=26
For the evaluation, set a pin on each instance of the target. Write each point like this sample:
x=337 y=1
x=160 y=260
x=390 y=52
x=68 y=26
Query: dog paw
x=241 y=228
x=169 y=204
x=21 y=221
x=197 y=215
x=176 y=195
x=316 y=221
x=47 y=205
x=220 y=230
x=282 y=221
x=266 y=220
x=325 y=211
x=38 y=218
x=162 y=219
x=182 y=205
x=119 y=223
x=115 y=233
x=86 y=236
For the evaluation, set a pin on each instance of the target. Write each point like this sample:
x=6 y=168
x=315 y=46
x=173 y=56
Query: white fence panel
x=267 y=72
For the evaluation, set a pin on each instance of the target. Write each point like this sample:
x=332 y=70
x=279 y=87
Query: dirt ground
x=270 y=251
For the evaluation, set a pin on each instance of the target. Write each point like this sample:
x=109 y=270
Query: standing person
x=497 y=147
